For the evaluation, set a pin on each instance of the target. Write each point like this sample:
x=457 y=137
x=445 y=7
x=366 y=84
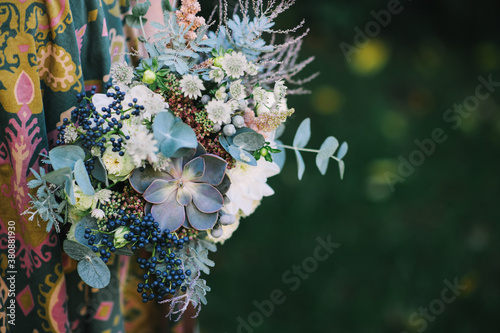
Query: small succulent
x=191 y=186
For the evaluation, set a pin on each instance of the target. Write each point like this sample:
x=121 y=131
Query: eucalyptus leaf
x=99 y=171
x=59 y=176
x=126 y=251
x=173 y=136
x=242 y=155
x=76 y=250
x=65 y=156
x=84 y=223
x=250 y=141
x=303 y=134
x=326 y=150
x=140 y=9
x=70 y=191
x=82 y=178
x=94 y=272
x=279 y=131
x=279 y=158
x=341 y=169
x=134 y=21
x=301 y=166
x=342 y=150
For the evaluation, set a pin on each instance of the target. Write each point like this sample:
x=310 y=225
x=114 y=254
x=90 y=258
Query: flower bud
x=149 y=77
x=229 y=130
x=227 y=219
x=238 y=121
x=218 y=61
x=217 y=231
x=119 y=240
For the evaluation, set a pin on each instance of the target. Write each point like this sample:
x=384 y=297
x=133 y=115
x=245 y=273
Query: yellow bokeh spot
x=327 y=100
x=370 y=57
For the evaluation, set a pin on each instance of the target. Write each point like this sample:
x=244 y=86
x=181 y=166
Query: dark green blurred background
x=397 y=247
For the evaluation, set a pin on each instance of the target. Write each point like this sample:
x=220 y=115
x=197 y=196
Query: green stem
x=142 y=28
x=306 y=150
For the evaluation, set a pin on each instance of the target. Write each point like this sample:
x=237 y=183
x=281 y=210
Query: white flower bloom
x=142 y=146
x=249 y=185
x=119 y=167
x=237 y=90
x=252 y=69
x=153 y=103
x=98 y=214
x=121 y=73
x=70 y=134
x=280 y=91
x=216 y=74
x=235 y=64
x=82 y=201
x=103 y=195
x=161 y=162
x=220 y=94
x=260 y=95
x=271 y=104
x=219 y=112
x=191 y=86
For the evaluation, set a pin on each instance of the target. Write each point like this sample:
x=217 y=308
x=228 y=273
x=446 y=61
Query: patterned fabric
x=50 y=50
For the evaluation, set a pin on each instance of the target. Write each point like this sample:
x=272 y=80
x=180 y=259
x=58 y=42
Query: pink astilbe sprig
x=186 y=16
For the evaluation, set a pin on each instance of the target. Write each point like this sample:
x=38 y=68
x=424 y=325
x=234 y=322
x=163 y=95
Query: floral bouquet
x=177 y=150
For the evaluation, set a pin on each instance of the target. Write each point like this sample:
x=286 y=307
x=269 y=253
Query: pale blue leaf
x=279 y=131
x=326 y=150
x=250 y=141
x=59 y=176
x=94 y=272
x=82 y=178
x=65 y=156
x=341 y=169
x=99 y=171
x=86 y=222
x=303 y=134
x=173 y=137
x=279 y=158
x=70 y=191
x=242 y=155
x=76 y=250
x=342 y=150
x=301 y=166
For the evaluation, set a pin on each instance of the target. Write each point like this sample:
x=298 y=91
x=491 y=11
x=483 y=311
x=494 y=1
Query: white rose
x=119 y=167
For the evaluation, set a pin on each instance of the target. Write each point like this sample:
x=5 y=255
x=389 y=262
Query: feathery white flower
x=249 y=185
x=220 y=94
x=252 y=69
x=216 y=74
x=237 y=90
x=260 y=95
x=235 y=64
x=98 y=214
x=280 y=91
x=142 y=146
x=218 y=112
x=70 y=134
x=121 y=73
x=103 y=195
x=191 y=86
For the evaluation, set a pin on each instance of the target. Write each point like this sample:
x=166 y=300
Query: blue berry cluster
x=96 y=125
x=164 y=274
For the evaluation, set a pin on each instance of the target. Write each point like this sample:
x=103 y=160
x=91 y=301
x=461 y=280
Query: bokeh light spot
x=327 y=100
x=370 y=58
